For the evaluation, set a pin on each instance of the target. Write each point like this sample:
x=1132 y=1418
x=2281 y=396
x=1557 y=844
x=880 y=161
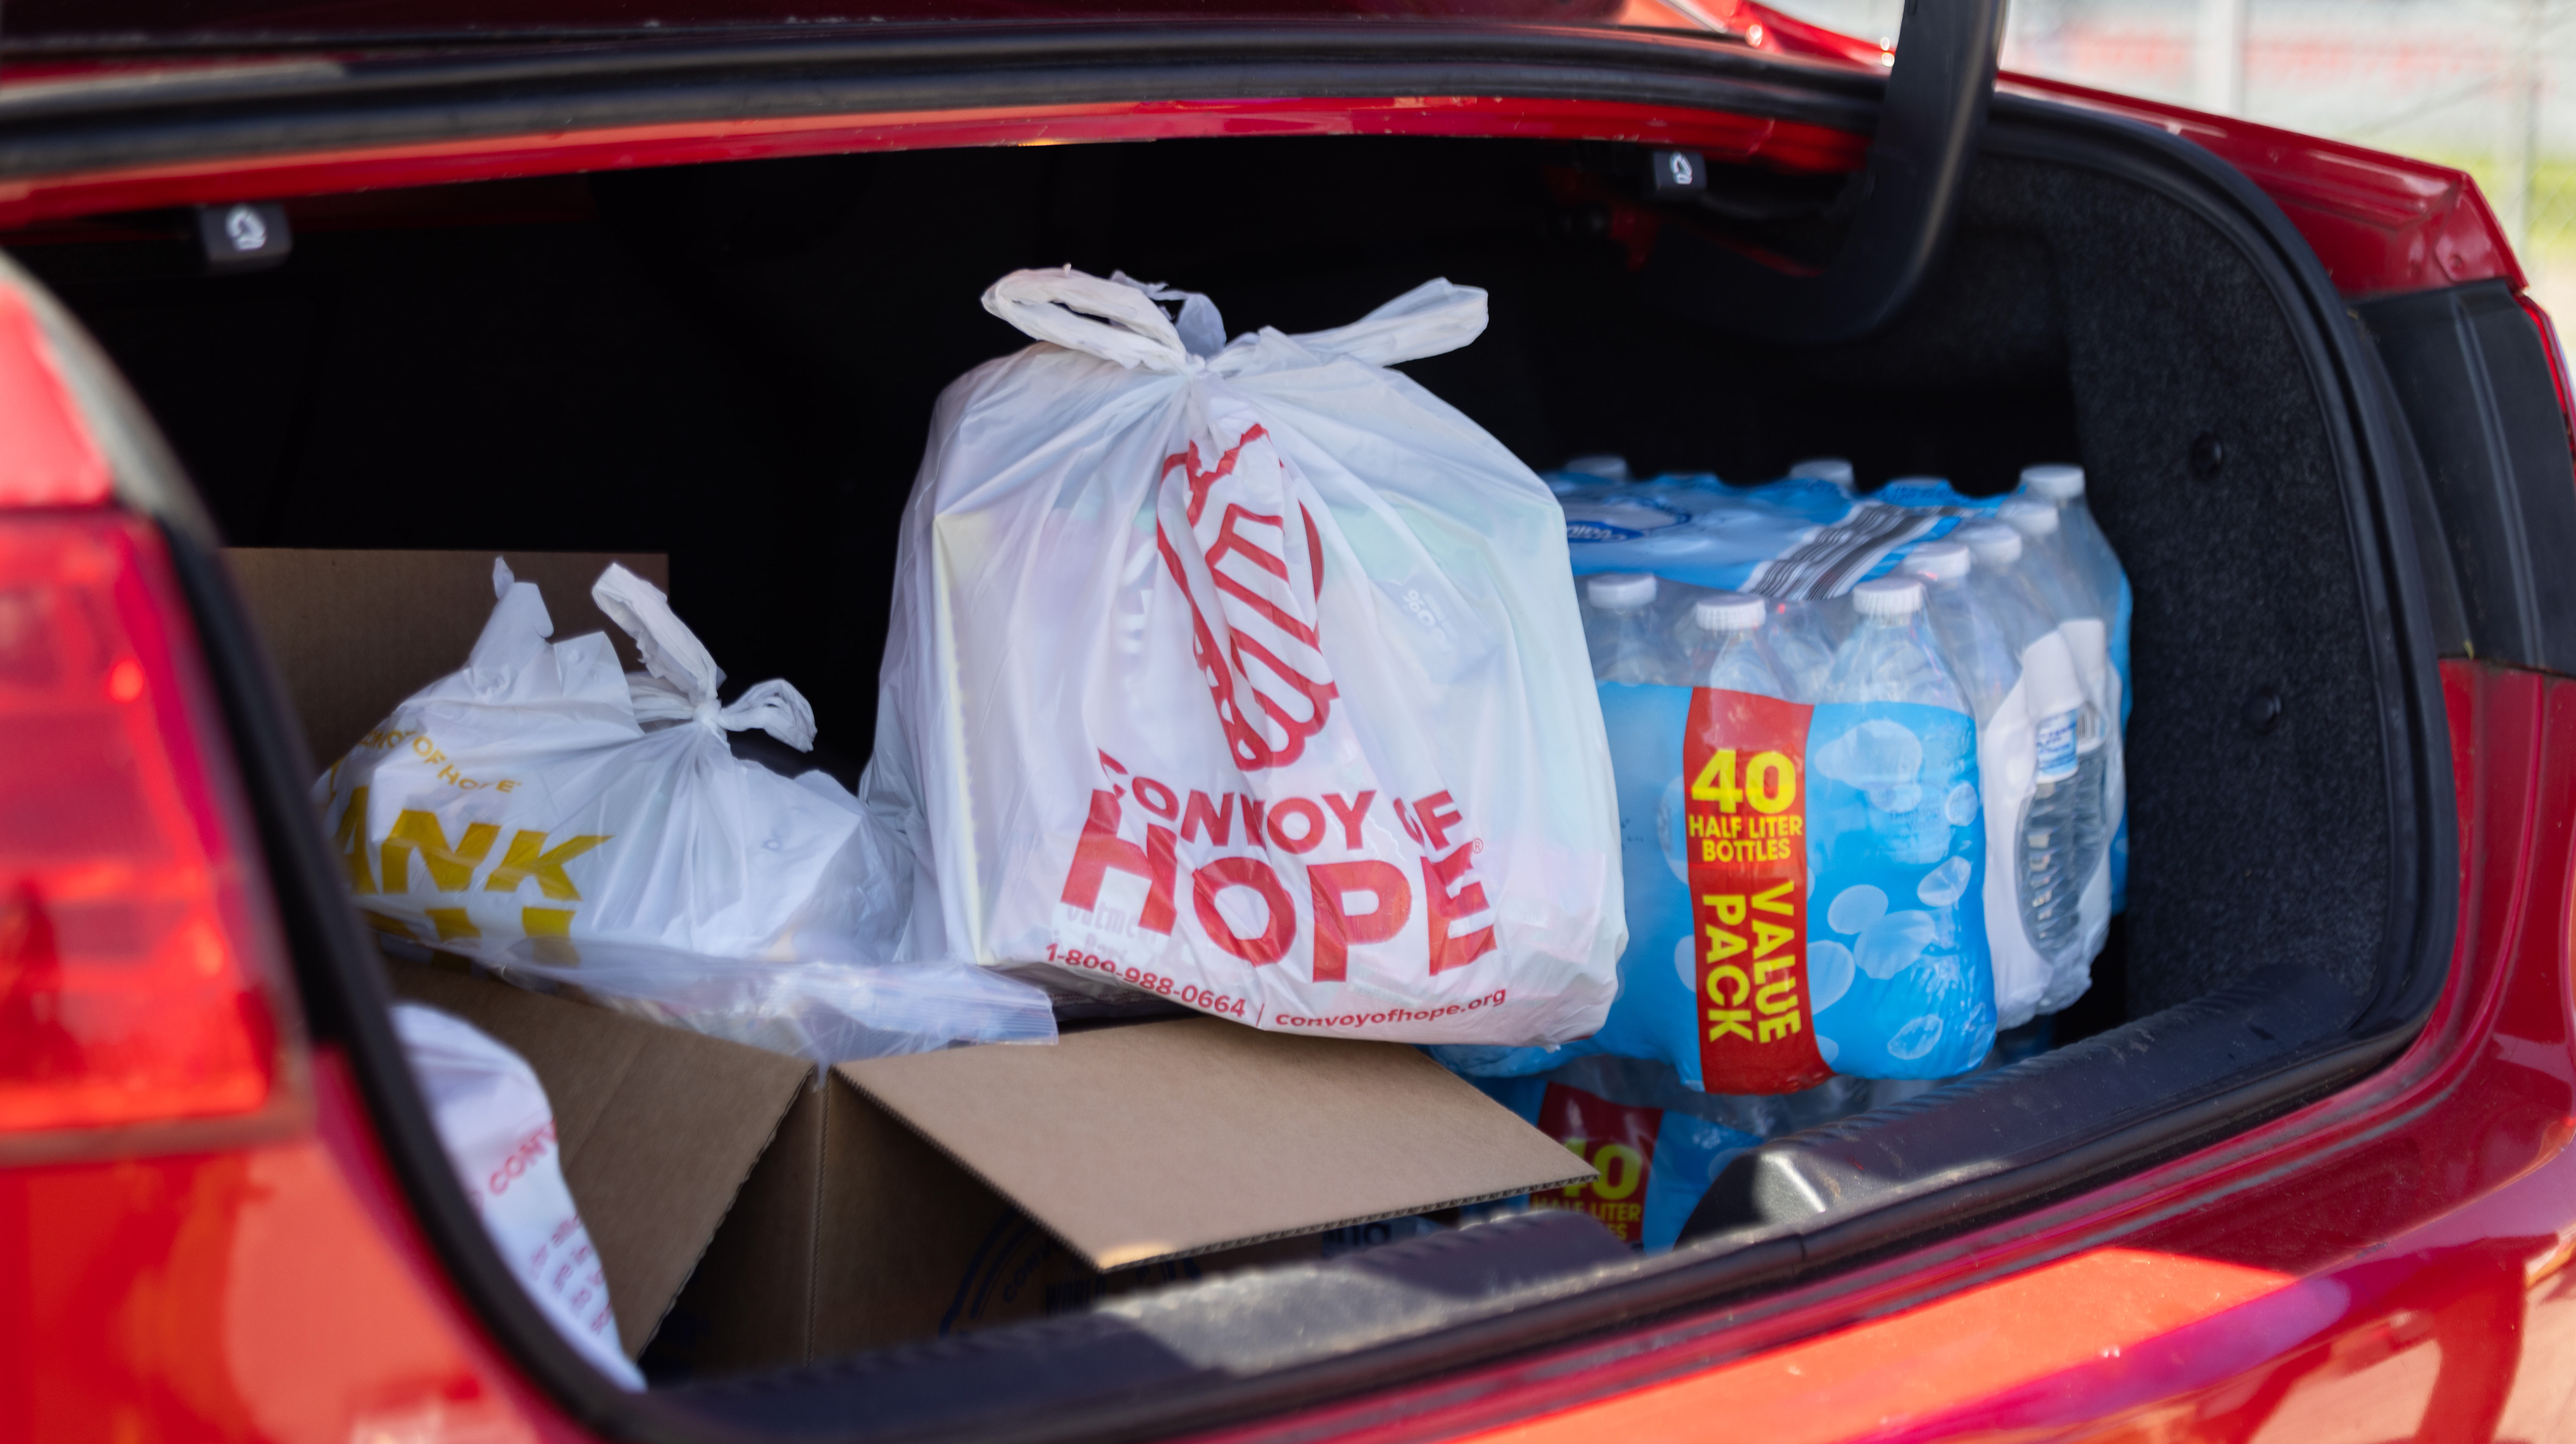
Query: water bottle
x=1825 y=468
x=1895 y=832
x=1989 y=666
x=1619 y=627
x=2059 y=708
x=1737 y=809
x=1802 y=646
x=1890 y=655
x=2062 y=487
x=2044 y=560
x=2050 y=512
x=1603 y=467
x=1733 y=654
x=2086 y=627
x=2053 y=859
x=1980 y=658
x=2000 y=584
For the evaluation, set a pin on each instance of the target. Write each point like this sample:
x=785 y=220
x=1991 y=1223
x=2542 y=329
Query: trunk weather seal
x=345 y=995
x=364 y=103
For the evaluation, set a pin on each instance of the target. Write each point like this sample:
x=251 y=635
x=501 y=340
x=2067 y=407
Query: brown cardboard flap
x=852 y=1233
x=1160 y=1140
x=355 y=632
x=658 y=1127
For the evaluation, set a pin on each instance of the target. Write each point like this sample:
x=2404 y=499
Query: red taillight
x=135 y=941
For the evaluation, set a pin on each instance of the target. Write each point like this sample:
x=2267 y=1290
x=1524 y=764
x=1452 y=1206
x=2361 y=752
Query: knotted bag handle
x=1118 y=321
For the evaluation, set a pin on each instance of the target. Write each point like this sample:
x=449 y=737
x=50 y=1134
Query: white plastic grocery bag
x=499 y=1133
x=571 y=825
x=1247 y=674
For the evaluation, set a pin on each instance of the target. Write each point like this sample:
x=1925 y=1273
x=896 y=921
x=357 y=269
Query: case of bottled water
x=1941 y=674
x=1801 y=839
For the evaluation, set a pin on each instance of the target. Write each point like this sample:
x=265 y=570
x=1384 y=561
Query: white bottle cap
x=2055 y=482
x=1992 y=543
x=1823 y=468
x=1888 y=597
x=1620 y=591
x=2029 y=516
x=1728 y=612
x=1606 y=467
x=1942 y=561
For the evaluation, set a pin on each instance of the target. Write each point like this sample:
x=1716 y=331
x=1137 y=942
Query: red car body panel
x=2395 y=1254
x=275 y=1292
x=2380 y=223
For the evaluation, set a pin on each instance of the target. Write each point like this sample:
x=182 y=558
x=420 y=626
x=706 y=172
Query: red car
x=685 y=275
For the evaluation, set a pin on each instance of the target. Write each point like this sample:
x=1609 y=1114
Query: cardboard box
x=751 y=1211
x=656 y=1128
x=933 y=1194
x=1158 y=1141
x=355 y=632
x=910 y=1198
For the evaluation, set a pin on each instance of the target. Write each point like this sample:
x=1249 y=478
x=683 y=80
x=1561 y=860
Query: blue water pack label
x=1874 y=960
x=1902 y=985
x=1655 y=1163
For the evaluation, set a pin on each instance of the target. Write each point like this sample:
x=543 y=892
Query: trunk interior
x=735 y=364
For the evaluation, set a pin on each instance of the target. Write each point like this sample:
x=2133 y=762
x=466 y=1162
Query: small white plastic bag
x=499 y=1134
x=550 y=816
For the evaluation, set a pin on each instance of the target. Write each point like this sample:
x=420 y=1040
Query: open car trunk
x=734 y=364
